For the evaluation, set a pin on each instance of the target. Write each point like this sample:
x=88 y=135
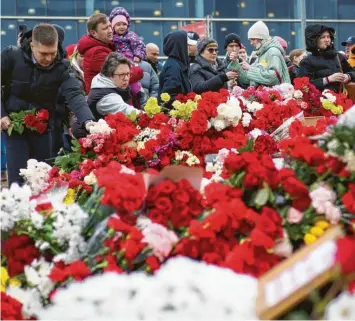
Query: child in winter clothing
x=127 y=42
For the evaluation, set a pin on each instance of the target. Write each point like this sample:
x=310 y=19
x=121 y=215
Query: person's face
x=121 y=76
x=192 y=50
x=297 y=60
x=152 y=54
x=79 y=59
x=256 y=43
x=44 y=55
x=243 y=54
x=233 y=47
x=324 y=40
x=210 y=53
x=103 y=32
x=121 y=27
x=348 y=48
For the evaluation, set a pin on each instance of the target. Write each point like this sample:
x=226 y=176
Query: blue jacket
x=27 y=85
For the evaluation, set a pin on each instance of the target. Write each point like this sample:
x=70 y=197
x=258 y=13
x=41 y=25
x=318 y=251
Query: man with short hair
x=95 y=46
x=152 y=51
x=31 y=78
x=232 y=45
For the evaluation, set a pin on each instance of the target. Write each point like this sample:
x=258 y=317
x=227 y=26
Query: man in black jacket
x=326 y=68
x=31 y=78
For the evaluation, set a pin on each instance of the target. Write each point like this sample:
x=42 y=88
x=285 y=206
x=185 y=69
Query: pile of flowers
x=104 y=214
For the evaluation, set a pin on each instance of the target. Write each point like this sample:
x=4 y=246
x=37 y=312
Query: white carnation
x=219 y=124
x=246 y=119
x=36 y=175
x=100 y=127
x=254 y=107
x=255 y=133
x=298 y=94
x=181 y=288
x=90 y=179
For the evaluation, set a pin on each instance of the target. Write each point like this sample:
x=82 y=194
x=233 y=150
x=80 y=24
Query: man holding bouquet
x=31 y=78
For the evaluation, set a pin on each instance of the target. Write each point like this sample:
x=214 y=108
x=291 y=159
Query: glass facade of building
x=15 y=12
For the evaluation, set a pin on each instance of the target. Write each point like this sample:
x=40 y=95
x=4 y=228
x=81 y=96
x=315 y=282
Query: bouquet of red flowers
x=30 y=119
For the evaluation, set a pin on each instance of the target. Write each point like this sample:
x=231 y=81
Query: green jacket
x=263 y=71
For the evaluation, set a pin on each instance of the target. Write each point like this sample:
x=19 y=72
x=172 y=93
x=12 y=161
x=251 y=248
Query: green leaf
x=341 y=190
x=262 y=196
x=9 y=130
x=21 y=129
x=248 y=147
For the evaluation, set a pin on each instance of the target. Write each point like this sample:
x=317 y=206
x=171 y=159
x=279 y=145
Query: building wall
x=154 y=31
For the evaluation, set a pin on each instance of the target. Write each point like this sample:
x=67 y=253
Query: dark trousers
x=21 y=148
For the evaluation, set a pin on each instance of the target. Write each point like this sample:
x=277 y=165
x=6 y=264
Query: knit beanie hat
x=281 y=41
x=203 y=43
x=117 y=19
x=231 y=38
x=258 y=30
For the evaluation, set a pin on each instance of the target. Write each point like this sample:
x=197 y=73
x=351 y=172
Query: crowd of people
x=112 y=70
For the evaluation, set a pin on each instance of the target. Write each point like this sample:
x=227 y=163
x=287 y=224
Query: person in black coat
x=174 y=77
x=326 y=68
x=31 y=78
x=209 y=73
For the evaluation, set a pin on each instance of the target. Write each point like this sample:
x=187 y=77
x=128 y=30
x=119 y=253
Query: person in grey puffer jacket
x=150 y=82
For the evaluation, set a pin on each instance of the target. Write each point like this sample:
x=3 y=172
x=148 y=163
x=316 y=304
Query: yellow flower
x=197 y=98
x=337 y=110
x=323 y=224
x=309 y=238
x=327 y=104
x=5 y=280
x=165 y=97
x=15 y=282
x=4 y=277
x=316 y=231
x=152 y=107
x=70 y=197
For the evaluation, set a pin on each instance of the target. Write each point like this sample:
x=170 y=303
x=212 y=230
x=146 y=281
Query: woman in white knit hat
x=270 y=68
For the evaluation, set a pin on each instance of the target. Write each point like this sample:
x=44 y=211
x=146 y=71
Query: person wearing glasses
x=209 y=73
x=110 y=92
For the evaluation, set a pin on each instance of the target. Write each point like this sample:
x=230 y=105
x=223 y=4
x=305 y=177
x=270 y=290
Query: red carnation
x=11 y=309
x=153 y=263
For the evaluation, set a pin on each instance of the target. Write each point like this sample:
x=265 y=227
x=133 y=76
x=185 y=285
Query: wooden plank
x=291 y=281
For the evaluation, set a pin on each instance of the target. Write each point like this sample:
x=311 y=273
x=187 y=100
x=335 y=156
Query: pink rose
x=160 y=240
x=294 y=216
x=283 y=247
x=332 y=213
x=320 y=196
